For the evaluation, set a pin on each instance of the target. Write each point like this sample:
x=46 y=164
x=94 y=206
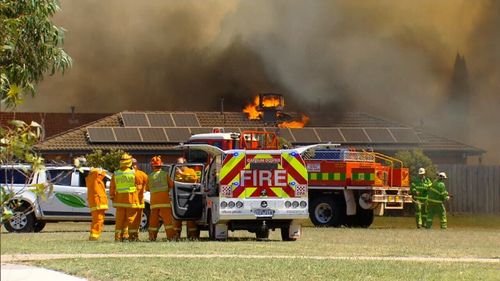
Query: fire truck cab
x=241 y=189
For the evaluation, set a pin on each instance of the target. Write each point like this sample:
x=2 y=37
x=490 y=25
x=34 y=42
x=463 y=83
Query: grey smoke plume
x=390 y=58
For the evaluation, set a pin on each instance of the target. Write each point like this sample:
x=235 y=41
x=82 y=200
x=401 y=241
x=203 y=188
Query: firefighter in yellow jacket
x=158 y=186
x=97 y=201
x=186 y=174
x=141 y=180
x=125 y=199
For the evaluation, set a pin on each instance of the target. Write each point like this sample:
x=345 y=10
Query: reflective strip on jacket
x=437 y=193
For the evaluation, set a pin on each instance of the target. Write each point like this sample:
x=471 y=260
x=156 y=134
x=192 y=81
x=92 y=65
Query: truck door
x=187 y=192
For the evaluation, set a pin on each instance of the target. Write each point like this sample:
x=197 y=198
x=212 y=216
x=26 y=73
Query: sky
x=392 y=59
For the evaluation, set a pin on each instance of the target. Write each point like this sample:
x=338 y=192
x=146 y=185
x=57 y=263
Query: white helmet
x=421 y=171
x=442 y=175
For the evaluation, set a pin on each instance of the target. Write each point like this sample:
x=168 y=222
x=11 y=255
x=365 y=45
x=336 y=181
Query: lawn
x=477 y=237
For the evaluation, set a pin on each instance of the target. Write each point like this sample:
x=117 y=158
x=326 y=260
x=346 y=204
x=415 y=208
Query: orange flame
x=251 y=109
x=295 y=124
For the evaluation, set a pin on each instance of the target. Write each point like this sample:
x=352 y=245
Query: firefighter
x=141 y=180
x=97 y=201
x=125 y=199
x=158 y=184
x=186 y=174
x=435 y=201
x=419 y=190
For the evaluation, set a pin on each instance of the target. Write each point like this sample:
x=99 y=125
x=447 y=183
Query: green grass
x=389 y=236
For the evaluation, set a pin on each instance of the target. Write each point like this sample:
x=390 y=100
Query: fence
x=475 y=188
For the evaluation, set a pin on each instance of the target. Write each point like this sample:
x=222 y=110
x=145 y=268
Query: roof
x=355 y=129
x=53 y=123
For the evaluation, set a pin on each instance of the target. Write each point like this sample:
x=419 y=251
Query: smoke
x=389 y=58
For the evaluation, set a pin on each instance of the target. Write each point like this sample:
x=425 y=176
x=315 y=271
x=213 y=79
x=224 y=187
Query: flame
x=251 y=109
x=295 y=124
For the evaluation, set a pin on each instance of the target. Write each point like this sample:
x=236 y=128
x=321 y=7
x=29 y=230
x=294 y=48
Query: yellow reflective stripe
x=434 y=201
x=128 y=205
x=436 y=191
x=248 y=192
x=295 y=163
x=158 y=189
x=279 y=192
x=166 y=205
x=153 y=229
x=94 y=235
x=169 y=227
x=235 y=179
x=192 y=229
x=314 y=176
x=99 y=207
x=229 y=166
x=132 y=230
x=118 y=231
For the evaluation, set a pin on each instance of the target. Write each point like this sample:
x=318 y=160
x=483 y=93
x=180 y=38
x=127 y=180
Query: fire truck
x=241 y=188
x=346 y=187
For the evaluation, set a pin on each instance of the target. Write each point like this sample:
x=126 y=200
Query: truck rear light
x=231 y=204
x=303 y=204
x=239 y=204
x=223 y=204
x=288 y=204
x=295 y=204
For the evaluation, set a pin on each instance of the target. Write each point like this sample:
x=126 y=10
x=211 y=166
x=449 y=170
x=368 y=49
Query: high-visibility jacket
x=123 y=190
x=96 y=192
x=186 y=174
x=437 y=193
x=419 y=188
x=158 y=186
x=141 y=181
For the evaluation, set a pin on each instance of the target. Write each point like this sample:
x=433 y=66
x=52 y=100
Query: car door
x=61 y=203
x=187 y=192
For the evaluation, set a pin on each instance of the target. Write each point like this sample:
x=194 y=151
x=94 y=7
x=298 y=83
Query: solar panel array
x=132 y=119
x=176 y=134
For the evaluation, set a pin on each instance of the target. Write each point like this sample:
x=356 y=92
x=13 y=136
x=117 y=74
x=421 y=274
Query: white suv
x=67 y=202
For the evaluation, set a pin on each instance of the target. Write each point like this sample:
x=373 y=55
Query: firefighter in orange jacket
x=125 y=199
x=97 y=201
x=141 y=180
x=158 y=186
x=186 y=174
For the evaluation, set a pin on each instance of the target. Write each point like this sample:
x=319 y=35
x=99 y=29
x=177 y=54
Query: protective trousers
x=192 y=229
x=154 y=223
x=124 y=218
x=97 y=224
x=421 y=213
x=133 y=229
x=436 y=209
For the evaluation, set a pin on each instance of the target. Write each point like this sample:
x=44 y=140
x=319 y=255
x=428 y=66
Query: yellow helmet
x=126 y=160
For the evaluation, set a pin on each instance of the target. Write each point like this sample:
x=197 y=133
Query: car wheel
x=22 y=220
x=145 y=219
x=39 y=226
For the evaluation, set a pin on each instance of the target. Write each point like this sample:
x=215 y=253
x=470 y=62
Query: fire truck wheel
x=327 y=211
x=211 y=227
x=364 y=217
x=285 y=234
x=262 y=234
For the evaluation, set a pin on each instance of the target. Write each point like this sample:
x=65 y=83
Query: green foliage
x=30 y=46
x=416 y=159
x=109 y=161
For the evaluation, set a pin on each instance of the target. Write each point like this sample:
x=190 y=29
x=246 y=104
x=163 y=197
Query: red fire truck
x=346 y=187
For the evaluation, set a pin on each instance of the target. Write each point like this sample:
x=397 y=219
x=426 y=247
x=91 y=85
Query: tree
x=30 y=47
x=416 y=159
x=109 y=161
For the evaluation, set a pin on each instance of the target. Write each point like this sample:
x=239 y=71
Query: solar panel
x=329 y=135
x=135 y=120
x=100 y=134
x=380 y=135
x=285 y=133
x=403 y=135
x=354 y=135
x=127 y=135
x=304 y=135
x=185 y=120
x=178 y=134
x=200 y=130
x=160 y=120
x=156 y=135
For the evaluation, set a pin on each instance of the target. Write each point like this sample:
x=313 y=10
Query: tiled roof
x=76 y=139
x=53 y=123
